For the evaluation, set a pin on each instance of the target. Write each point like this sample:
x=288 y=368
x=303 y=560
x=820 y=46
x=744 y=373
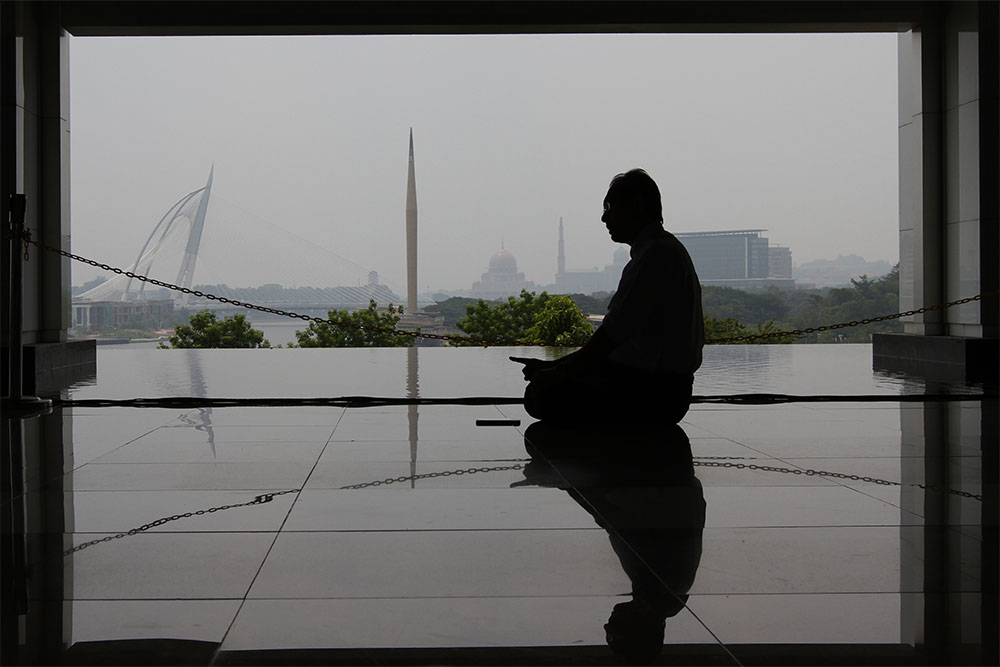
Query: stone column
x=948 y=181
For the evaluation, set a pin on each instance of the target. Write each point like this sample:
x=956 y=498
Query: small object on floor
x=498 y=422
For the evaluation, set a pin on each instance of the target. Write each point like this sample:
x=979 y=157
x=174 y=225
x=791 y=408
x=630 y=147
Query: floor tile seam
x=896 y=505
x=694 y=594
x=200 y=464
x=64 y=475
x=124 y=444
x=247 y=489
x=430 y=460
x=242 y=425
x=381 y=531
x=167 y=531
x=877 y=457
x=745 y=439
x=149 y=599
x=274 y=540
x=210 y=462
x=706 y=484
x=275 y=441
x=559 y=596
x=808 y=593
x=426 y=441
x=711 y=632
x=811 y=525
x=828 y=482
x=300 y=531
x=860 y=489
x=520 y=428
x=433 y=460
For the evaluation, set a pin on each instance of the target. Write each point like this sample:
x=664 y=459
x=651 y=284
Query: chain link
x=268 y=497
x=26 y=236
x=826 y=473
x=844 y=325
x=258 y=500
x=430 y=475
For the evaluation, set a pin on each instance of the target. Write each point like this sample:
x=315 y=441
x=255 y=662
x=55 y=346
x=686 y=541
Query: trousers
x=607 y=395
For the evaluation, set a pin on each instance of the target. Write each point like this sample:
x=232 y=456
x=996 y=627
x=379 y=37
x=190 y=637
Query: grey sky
x=792 y=133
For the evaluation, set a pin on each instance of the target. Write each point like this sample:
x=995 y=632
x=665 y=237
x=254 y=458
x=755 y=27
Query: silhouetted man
x=639 y=365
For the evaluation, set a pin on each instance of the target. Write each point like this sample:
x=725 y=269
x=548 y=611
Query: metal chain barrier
x=268 y=497
x=431 y=475
x=826 y=473
x=25 y=235
x=259 y=500
x=701 y=461
x=844 y=325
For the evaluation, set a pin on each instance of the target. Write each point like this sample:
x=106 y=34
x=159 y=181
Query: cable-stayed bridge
x=215 y=243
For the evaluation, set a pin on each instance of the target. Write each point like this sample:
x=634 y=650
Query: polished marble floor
x=796 y=533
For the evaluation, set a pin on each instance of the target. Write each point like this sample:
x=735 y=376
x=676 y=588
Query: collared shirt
x=655 y=316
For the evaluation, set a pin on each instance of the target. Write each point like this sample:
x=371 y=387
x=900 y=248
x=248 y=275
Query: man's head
x=632 y=202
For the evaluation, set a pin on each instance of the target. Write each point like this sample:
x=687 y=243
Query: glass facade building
x=728 y=255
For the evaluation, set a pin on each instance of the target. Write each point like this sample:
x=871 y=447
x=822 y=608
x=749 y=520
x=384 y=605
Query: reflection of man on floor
x=640 y=486
x=639 y=365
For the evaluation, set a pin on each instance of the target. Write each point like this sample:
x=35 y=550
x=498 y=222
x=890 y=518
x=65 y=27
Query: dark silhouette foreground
x=639 y=486
x=639 y=365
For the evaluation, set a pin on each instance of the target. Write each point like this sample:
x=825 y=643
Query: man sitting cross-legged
x=639 y=365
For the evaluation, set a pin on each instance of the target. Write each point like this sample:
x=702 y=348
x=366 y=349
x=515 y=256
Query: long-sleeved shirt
x=655 y=316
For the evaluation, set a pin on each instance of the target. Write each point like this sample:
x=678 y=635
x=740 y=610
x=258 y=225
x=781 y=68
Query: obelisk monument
x=411 y=235
x=561 y=259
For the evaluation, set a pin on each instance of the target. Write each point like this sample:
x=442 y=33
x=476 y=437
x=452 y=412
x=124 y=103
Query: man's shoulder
x=662 y=242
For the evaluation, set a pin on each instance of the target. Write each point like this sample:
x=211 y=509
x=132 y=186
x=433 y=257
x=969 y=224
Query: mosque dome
x=621 y=255
x=503 y=262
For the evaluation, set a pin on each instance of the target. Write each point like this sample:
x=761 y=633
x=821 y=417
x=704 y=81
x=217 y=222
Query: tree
x=594 y=304
x=865 y=298
x=361 y=328
x=453 y=309
x=731 y=327
x=725 y=328
x=527 y=320
x=205 y=331
x=561 y=323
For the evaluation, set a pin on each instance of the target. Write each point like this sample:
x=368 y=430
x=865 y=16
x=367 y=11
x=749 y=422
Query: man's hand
x=532 y=367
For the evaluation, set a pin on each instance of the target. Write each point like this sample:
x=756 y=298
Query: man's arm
x=597 y=348
x=593 y=353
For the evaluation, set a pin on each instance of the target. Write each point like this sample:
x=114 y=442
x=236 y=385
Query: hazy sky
x=795 y=134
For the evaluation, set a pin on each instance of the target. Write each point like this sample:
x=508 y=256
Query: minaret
x=411 y=235
x=561 y=262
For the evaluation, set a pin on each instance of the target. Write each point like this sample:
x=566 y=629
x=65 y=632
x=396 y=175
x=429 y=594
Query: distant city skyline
x=792 y=133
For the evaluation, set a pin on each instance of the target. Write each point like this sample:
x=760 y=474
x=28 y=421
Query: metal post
x=16 y=403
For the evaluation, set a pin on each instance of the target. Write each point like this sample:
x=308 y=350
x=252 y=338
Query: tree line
x=561 y=320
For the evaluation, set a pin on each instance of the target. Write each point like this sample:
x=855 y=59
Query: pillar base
x=948 y=358
x=51 y=367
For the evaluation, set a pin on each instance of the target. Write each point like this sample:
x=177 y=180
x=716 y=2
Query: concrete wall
x=948 y=169
x=41 y=165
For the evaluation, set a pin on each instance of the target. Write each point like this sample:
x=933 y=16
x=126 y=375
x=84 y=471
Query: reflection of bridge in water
x=252 y=246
